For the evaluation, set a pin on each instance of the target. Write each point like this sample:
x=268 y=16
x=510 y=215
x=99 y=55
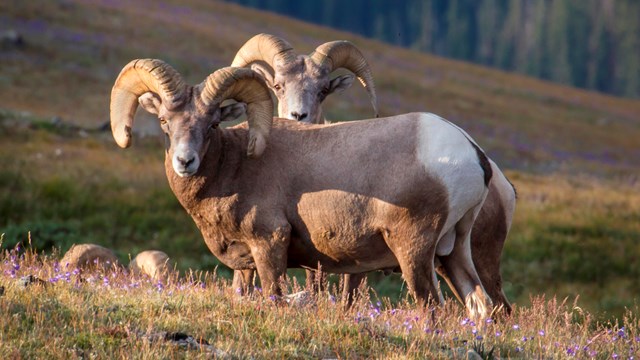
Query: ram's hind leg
x=416 y=256
x=462 y=272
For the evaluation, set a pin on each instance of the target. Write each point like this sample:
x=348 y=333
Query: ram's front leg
x=270 y=255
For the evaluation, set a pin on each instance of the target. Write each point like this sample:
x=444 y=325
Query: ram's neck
x=210 y=197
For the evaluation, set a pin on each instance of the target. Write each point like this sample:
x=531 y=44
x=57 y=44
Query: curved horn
x=264 y=47
x=343 y=54
x=136 y=78
x=243 y=85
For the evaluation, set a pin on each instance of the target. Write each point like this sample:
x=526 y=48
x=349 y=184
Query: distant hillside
x=73 y=50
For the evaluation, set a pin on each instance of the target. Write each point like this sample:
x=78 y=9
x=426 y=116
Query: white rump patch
x=447 y=154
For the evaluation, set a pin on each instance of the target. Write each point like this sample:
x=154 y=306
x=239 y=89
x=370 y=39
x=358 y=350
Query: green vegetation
x=111 y=314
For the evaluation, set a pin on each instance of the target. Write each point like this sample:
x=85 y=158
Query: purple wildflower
x=332 y=299
x=621 y=332
x=438 y=332
x=571 y=352
x=614 y=356
x=541 y=332
x=516 y=327
x=464 y=321
x=479 y=337
x=524 y=339
x=519 y=349
x=498 y=334
x=489 y=321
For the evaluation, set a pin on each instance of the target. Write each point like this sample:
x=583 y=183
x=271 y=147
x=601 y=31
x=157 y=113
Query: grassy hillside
x=573 y=155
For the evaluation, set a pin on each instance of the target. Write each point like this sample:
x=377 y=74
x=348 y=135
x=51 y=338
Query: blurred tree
x=593 y=44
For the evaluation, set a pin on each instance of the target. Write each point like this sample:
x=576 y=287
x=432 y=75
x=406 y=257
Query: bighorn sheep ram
x=353 y=197
x=301 y=83
x=82 y=256
x=153 y=263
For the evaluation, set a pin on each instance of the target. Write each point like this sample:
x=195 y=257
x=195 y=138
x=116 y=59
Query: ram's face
x=300 y=86
x=186 y=129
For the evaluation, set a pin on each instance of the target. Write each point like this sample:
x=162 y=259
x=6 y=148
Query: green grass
x=573 y=236
x=111 y=314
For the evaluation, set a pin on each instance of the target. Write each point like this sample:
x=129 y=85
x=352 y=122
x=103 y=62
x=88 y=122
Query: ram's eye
x=277 y=86
x=163 y=121
x=324 y=92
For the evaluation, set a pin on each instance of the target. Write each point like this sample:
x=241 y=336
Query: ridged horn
x=243 y=85
x=343 y=54
x=264 y=47
x=136 y=78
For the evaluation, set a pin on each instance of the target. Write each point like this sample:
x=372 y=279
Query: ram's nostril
x=298 y=116
x=186 y=162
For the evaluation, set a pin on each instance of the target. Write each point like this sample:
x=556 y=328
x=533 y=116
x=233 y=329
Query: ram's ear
x=341 y=83
x=232 y=111
x=264 y=71
x=150 y=102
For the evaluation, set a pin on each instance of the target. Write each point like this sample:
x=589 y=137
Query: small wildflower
x=524 y=339
x=615 y=356
x=394 y=311
x=464 y=321
x=427 y=330
x=621 y=332
x=332 y=299
x=541 y=332
x=516 y=327
x=474 y=331
x=239 y=290
x=489 y=321
x=498 y=334
x=438 y=332
x=519 y=349
x=479 y=337
x=571 y=352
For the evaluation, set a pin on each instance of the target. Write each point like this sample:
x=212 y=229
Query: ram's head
x=302 y=82
x=189 y=114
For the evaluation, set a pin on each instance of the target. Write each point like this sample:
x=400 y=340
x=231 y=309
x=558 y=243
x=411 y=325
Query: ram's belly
x=341 y=231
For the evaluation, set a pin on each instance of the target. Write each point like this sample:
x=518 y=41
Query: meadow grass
x=572 y=236
x=113 y=314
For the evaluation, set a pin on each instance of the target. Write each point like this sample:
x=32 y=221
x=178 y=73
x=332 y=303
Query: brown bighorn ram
x=353 y=197
x=301 y=83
